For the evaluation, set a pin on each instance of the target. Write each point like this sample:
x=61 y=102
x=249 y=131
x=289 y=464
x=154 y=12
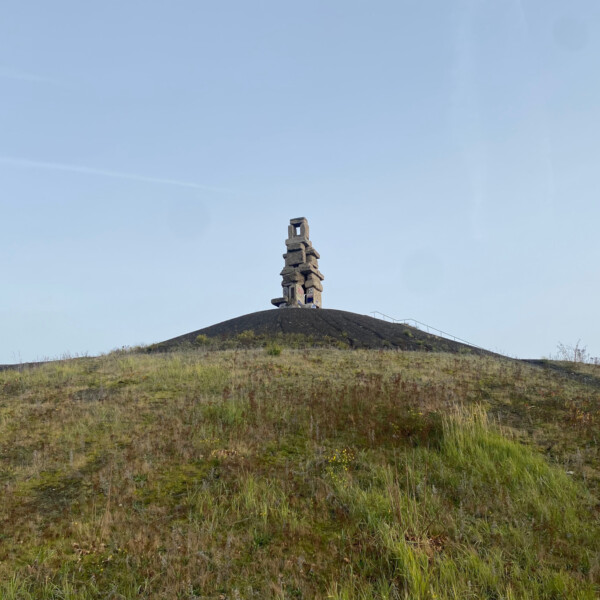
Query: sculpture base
x=284 y=303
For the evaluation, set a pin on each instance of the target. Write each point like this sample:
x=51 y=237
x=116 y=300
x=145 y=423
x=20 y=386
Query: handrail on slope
x=420 y=325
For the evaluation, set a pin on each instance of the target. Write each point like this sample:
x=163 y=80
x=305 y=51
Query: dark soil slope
x=357 y=331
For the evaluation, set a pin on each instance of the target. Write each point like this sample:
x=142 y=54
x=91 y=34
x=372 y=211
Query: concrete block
x=294 y=277
x=313 y=282
x=293 y=259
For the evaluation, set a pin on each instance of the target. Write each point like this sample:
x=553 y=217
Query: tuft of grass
x=273 y=349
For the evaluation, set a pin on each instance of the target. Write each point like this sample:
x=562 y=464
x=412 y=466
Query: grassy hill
x=298 y=473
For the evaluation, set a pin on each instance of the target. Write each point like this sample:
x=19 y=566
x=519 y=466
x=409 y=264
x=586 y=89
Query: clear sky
x=446 y=155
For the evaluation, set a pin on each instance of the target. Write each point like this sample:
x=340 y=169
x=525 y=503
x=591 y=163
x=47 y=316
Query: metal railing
x=423 y=327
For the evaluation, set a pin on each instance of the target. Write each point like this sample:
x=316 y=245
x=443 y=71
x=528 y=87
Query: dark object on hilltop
x=337 y=327
x=301 y=283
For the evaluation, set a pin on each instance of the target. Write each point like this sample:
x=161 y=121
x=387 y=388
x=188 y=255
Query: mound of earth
x=351 y=329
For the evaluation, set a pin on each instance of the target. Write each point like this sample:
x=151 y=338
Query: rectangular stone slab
x=314 y=282
x=293 y=259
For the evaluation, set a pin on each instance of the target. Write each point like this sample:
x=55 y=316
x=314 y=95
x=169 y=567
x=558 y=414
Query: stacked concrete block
x=302 y=287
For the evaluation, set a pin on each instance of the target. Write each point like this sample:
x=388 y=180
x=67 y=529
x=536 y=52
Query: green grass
x=298 y=473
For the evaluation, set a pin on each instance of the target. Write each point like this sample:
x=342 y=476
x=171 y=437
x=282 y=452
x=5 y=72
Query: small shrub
x=576 y=354
x=202 y=340
x=273 y=350
x=246 y=338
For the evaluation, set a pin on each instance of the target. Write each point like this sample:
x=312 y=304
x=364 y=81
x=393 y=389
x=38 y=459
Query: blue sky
x=446 y=155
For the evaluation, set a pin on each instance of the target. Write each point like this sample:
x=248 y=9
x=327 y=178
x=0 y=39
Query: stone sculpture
x=302 y=287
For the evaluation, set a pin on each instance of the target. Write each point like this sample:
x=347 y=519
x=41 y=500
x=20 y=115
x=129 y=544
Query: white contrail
x=50 y=166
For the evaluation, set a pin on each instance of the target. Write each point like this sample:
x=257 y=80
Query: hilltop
x=323 y=325
x=303 y=473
